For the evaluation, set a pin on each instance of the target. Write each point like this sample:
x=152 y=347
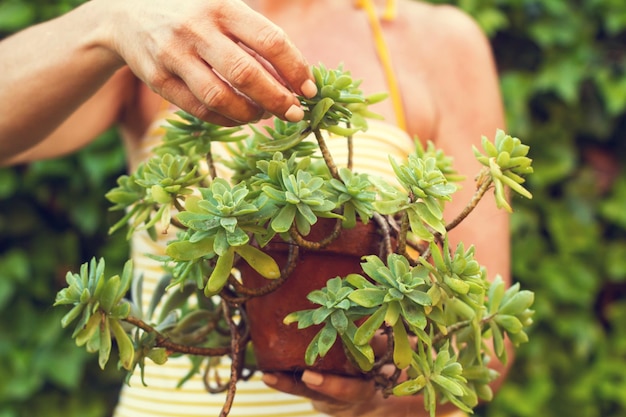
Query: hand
x=218 y=60
x=341 y=396
x=330 y=394
x=349 y=397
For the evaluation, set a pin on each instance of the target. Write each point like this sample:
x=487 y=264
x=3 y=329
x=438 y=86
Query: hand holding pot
x=350 y=397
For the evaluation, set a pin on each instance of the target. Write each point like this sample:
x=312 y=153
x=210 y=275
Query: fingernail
x=309 y=89
x=312 y=378
x=269 y=379
x=294 y=113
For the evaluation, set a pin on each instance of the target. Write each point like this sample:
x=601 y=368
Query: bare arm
x=48 y=71
x=100 y=111
x=217 y=59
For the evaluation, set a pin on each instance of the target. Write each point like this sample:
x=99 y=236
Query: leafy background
x=563 y=72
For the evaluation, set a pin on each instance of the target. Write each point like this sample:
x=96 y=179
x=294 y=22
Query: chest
x=348 y=39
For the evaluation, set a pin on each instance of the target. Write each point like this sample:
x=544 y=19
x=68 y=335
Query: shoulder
x=446 y=43
x=452 y=56
x=443 y=27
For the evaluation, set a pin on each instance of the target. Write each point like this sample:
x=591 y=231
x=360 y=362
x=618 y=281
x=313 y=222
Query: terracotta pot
x=279 y=347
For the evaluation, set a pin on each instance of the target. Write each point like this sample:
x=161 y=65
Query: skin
x=102 y=66
x=90 y=62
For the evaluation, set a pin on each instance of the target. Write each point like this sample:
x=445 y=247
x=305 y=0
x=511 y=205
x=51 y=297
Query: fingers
x=324 y=387
x=247 y=75
x=218 y=59
x=331 y=394
x=238 y=66
x=344 y=389
x=270 y=42
x=202 y=92
x=291 y=384
x=175 y=91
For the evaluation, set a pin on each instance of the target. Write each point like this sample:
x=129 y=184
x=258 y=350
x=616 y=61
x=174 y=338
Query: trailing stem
x=211 y=165
x=350 y=144
x=307 y=244
x=485 y=182
x=243 y=293
x=162 y=341
x=328 y=159
x=384 y=227
x=459 y=326
x=173 y=220
x=237 y=367
x=402 y=236
x=206 y=379
x=236 y=362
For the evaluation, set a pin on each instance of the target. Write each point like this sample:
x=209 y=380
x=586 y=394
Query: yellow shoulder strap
x=384 y=56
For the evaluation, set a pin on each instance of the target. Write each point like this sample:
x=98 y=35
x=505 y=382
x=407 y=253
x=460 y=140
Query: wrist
x=99 y=18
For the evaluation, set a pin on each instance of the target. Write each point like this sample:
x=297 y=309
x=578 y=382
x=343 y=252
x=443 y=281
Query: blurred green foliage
x=563 y=71
x=53 y=217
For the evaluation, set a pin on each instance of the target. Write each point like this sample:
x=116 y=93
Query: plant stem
x=211 y=165
x=206 y=379
x=235 y=363
x=459 y=326
x=243 y=293
x=173 y=220
x=350 y=144
x=350 y=153
x=178 y=205
x=177 y=224
x=300 y=241
x=484 y=183
x=404 y=230
x=384 y=227
x=163 y=341
x=326 y=154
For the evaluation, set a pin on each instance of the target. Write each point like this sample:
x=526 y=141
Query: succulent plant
x=432 y=302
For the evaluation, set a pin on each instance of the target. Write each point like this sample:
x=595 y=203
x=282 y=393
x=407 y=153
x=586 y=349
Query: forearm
x=48 y=71
x=217 y=59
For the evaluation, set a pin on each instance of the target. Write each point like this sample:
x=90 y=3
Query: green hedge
x=53 y=217
x=563 y=69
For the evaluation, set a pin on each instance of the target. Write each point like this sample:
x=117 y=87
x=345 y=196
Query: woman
x=434 y=61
